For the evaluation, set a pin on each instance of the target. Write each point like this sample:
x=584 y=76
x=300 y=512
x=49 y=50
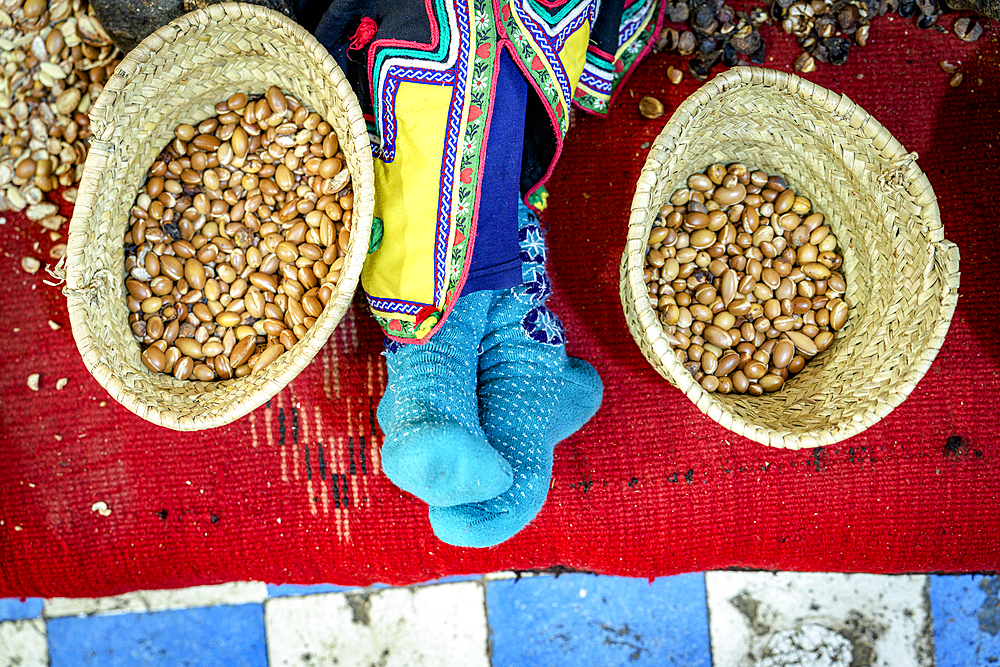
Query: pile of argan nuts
x=237 y=239
x=744 y=276
x=709 y=33
x=56 y=58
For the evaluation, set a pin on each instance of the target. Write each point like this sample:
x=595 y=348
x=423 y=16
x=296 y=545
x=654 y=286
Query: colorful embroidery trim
x=462 y=54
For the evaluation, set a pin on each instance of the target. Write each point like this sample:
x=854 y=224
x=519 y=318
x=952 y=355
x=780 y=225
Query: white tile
x=409 y=627
x=789 y=619
x=141 y=601
x=509 y=574
x=23 y=644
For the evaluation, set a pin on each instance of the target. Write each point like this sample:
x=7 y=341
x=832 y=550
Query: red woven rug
x=293 y=492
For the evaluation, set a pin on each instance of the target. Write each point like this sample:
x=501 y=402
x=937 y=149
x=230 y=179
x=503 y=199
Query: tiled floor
x=720 y=619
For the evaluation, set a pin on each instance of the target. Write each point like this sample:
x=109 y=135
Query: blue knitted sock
x=531 y=396
x=434 y=446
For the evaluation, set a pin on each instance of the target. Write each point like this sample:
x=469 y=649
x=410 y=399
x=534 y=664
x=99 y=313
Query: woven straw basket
x=902 y=274
x=177 y=75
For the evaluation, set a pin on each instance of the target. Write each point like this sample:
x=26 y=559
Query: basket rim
x=83 y=287
x=645 y=327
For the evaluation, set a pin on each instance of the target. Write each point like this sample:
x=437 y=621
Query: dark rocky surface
x=128 y=22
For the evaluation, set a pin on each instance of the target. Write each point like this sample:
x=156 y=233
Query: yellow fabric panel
x=574 y=53
x=406 y=197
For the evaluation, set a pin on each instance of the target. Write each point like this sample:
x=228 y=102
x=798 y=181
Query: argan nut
x=650 y=107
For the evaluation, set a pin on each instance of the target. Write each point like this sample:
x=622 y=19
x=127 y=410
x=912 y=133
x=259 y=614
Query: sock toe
x=581 y=398
x=477 y=527
x=443 y=464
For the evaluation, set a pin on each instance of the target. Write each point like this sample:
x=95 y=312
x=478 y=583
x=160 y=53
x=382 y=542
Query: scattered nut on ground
x=30 y=264
x=650 y=107
x=33 y=381
x=723 y=34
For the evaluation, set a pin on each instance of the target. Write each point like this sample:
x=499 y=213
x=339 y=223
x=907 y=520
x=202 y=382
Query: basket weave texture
x=902 y=274
x=177 y=75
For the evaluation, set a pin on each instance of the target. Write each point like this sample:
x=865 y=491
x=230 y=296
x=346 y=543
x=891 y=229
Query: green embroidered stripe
x=545 y=12
x=599 y=62
x=591 y=103
x=527 y=50
x=631 y=52
x=631 y=11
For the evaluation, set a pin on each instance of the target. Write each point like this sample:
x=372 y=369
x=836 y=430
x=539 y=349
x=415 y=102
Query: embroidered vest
x=430 y=109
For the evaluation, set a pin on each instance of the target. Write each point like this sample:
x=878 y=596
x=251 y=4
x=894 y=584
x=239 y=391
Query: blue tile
x=13 y=609
x=584 y=619
x=966 y=612
x=295 y=590
x=232 y=636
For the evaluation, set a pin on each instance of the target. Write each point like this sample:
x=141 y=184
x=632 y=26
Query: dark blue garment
x=496 y=261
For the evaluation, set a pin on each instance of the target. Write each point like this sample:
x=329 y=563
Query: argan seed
x=194 y=273
x=212 y=348
x=183 y=368
x=267 y=357
x=754 y=369
x=816 y=271
x=650 y=107
x=154 y=359
x=283 y=178
x=803 y=343
x=242 y=352
x=190 y=347
x=286 y=252
x=263 y=281
x=206 y=142
x=838 y=316
x=782 y=353
x=965 y=28
x=717 y=336
x=771 y=382
x=276 y=100
x=228 y=319
x=783 y=202
x=330 y=167
x=30 y=264
x=312 y=306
